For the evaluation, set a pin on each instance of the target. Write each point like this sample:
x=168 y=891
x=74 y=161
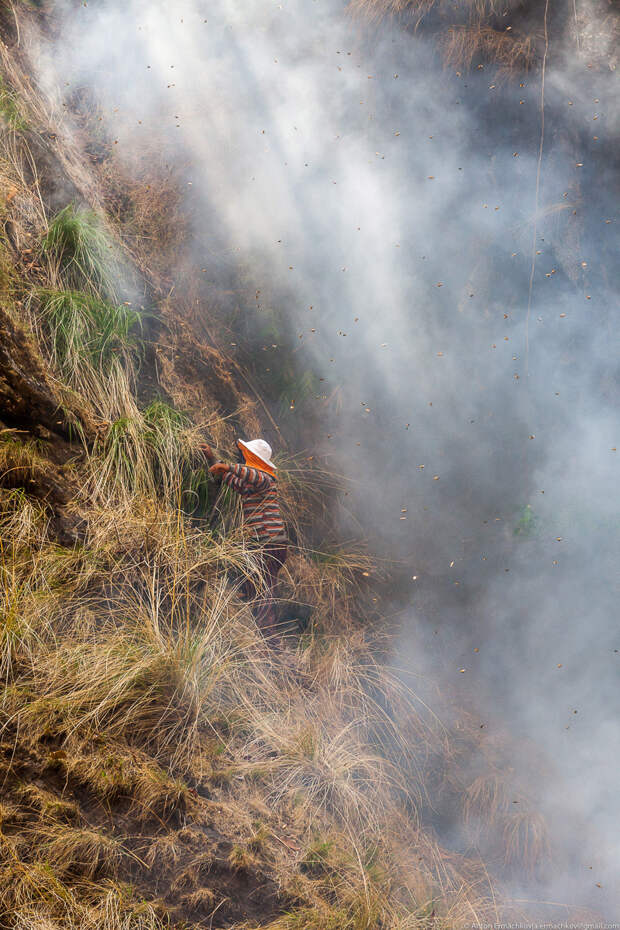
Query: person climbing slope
x=255 y=480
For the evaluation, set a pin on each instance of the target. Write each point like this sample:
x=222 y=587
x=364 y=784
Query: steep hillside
x=161 y=764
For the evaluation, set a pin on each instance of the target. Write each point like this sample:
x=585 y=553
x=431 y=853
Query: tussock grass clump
x=20 y=459
x=323 y=767
x=79 y=851
x=173 y=441
x=527 y=843
x=305 y=491
x=143 y=683
x=166 y=657
x=463 y=45
x=48 y=805
x=377 y=9
x=80 y=251
x=471 y=9
x=487 y=799
x=24 y=586
x=93 y=347
x=333 y=579
x=152 y=452
x=346 y=893
x=86 y=334
x=498 y=815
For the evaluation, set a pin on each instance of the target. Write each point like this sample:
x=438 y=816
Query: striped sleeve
x=233 y=481
x=245 y=480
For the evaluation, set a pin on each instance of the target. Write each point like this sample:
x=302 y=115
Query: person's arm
x=241 y=478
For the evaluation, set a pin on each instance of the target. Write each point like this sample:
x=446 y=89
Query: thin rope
x=538 y=169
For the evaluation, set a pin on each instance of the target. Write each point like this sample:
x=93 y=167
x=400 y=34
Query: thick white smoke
x=387 y=207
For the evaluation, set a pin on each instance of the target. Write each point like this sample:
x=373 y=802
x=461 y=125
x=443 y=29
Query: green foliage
x=86 y=331
x=10 y=113
x=165 y=421
x=195 y=491
x=80 y=247
x=166 y=434
x=154 y=451
x=119 y=449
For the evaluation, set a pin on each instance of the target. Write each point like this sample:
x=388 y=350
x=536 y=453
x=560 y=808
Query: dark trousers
x=264 y=607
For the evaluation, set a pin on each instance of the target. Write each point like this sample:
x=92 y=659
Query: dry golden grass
x=142 y=666
x=469 y=33
x=334 y=580
x=527 y=842
x=78 y=852
x=48 y=806
x=145 y=198
x=487 y=799
x=463 y=46
x=21 y=200
x=150 y=663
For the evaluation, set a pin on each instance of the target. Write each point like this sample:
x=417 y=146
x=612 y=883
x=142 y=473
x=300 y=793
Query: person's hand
x=218 y=469
x=208 y=452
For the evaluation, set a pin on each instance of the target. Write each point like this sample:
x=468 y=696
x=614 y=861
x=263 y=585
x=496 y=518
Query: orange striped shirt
x=259 y=497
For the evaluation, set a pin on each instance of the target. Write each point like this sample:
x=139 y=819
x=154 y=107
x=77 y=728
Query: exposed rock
x=28 y=399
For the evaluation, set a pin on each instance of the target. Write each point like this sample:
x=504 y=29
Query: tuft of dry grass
x=49 y=806
x=487 y=799
x=332 y=580
x=467 y=33
x=526 y=839
x=11 y=117
x=21 y=200
x=79 y=852
x=462 y=46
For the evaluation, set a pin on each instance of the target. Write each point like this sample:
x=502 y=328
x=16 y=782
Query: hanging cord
x=538 y=169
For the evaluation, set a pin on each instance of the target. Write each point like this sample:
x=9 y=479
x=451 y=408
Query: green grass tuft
x=11 y=116
x=149 y=451
x=86 y=331
x=80 y=249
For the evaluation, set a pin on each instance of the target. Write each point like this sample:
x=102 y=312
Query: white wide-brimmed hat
x=260 y=449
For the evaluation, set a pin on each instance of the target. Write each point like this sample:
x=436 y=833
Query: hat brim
x=242 y=445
